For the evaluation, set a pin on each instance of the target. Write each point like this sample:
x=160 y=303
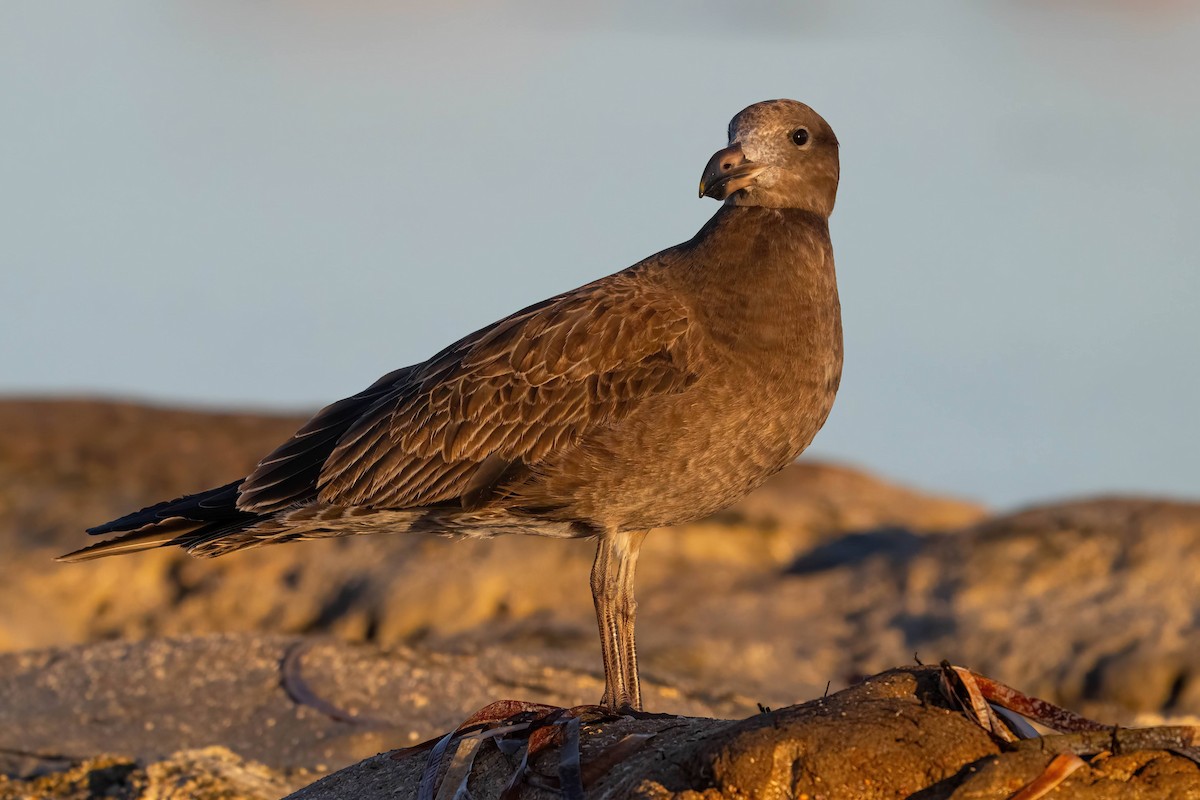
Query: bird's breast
x=770 y=364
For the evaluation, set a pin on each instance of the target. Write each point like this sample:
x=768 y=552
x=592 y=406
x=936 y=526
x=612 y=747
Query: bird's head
x=781 y=154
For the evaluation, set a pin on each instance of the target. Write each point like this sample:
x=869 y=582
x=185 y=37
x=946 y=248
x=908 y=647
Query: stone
x=892 y=736
x=213 y=773
x=290 y=703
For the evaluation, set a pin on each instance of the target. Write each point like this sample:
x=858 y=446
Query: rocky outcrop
x=893 y=736
x=213 y=773
x=296 y=705
x=1092 y=603
x=287 y=710
x=71 y=464
x=823 y=576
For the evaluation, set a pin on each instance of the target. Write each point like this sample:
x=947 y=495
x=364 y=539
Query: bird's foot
x=514 y=725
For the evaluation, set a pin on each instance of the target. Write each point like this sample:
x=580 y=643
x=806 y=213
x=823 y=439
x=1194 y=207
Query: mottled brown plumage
x=650 y=397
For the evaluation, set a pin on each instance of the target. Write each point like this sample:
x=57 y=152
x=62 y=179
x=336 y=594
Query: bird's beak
x=726 y=172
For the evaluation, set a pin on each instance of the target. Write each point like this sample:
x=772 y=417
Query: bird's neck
x=739 y=219
x=766 y=248
x=768 y=271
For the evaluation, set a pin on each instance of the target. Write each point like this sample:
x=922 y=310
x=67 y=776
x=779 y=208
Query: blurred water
x=273 y=203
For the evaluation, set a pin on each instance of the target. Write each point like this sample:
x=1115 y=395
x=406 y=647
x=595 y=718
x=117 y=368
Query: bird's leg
x=612 y=591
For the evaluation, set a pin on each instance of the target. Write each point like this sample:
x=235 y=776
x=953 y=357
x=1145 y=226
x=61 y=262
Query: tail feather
x=183 y=522
x=161 y=535
x=210 y=506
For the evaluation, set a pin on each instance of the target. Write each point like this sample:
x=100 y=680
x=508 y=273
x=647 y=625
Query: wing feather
x=504 y=398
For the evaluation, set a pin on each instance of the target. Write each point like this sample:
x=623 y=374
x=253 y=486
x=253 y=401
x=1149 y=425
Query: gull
x=650 y=397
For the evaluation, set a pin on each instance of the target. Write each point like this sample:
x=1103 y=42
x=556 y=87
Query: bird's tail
x=184 y=522
x=159 y=536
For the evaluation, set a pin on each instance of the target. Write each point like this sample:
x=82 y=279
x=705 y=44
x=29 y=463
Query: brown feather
x=511 y=392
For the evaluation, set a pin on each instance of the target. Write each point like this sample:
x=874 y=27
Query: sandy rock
x=821 y=577
x=1091 y=603
x=1140 y=775
x=892 y=736
x=73 y=464
x=825 y=499
x=213 y=773
x=289 y=703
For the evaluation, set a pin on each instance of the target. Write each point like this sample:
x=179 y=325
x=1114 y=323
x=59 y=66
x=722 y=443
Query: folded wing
x=507 y=396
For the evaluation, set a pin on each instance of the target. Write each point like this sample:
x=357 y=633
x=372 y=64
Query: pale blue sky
x=270 y=204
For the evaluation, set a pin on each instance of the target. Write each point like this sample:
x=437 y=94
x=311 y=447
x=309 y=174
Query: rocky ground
x=123 y=674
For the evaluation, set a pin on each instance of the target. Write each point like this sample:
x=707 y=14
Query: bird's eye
x=800 y=137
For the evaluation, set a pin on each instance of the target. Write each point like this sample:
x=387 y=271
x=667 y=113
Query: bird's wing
x=289 y=474
x=509 y=394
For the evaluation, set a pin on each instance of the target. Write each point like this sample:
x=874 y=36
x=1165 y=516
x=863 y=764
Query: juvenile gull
x=651 y=397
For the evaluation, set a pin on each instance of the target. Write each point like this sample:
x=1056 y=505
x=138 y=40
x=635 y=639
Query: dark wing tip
x=76 y=556
x=208 y=506
x=129 y=543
